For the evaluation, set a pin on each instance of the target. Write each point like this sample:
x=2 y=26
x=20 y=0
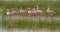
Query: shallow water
x=31 y=18
x=26 y=30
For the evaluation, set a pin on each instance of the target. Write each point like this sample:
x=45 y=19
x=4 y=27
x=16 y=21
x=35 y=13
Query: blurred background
x=27 y=23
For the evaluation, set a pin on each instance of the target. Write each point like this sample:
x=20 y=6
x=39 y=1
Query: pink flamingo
x=50 y=12
x=34 y=11
x=22 y=11
x=40 y=12
x=9 y=13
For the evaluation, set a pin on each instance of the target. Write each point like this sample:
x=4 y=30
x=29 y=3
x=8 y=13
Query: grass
x=30 y=21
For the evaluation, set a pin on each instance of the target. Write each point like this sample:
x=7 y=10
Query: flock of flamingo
x=34 y=11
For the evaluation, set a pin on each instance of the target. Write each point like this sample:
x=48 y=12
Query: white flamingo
x=51 y=12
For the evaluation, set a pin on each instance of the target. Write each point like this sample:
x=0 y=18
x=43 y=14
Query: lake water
x=26 y=30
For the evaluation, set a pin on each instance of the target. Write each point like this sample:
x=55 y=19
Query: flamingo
x=40 y=12
x=51 y=12
x=9 y=13
x=22 y=11
x=34 y=11
x=29 y=11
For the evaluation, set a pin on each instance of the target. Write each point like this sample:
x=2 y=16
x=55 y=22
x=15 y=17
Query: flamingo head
x=34 y=9
x=29 y=8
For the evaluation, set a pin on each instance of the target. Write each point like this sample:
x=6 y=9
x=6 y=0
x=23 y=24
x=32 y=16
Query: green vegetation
x=25 y=4
x=29 y=22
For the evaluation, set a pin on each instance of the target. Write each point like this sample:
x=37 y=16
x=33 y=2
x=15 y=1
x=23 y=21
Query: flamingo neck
x=21 y=10
x=48 y=9
x=37 y=7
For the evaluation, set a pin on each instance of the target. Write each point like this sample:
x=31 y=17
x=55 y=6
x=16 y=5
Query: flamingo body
x=34 y=12
x=29 y=12
x=14 y=12
x=40 y=12
x=9 y=13
x=52 y=13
